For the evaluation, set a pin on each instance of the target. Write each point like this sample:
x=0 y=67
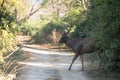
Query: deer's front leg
x=82 y=61
x=74 y=58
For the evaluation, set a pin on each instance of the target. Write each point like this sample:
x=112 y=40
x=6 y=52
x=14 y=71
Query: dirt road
x=53 y=65
x=46 y=64
x=50 y=65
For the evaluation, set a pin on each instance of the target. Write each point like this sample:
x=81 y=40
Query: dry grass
x=8 y=70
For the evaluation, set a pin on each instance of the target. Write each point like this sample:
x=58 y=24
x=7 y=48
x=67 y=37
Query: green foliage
x=7 y=41
x=27 y=29
x=6 y=18
x=76 y=20
x=18 y=55
x=8 y=29
x=96 y=19
x=100 y=21
x=44 y=34
x=30 y=27
x=102 y=24
x=113 y=63
x=11 y=11
x=72 y=17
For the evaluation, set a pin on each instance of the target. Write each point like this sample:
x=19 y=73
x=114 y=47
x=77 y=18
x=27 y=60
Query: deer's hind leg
x=74 y=58
x=82 y=61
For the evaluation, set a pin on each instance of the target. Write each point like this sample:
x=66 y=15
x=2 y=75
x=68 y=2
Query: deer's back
x=83 y=45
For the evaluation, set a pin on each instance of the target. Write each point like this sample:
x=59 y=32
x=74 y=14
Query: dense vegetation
x=97 y=19
x=102 y=24
x=11 y=16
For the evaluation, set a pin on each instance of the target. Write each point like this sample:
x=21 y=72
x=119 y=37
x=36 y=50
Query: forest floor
x=45 y=63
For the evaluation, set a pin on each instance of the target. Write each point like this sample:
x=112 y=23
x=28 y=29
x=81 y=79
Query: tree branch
x=2 y=4
x=11 y=53
x=34 y=12
x=31 y=12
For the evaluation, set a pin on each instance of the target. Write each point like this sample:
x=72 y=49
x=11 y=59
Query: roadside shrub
x=29 y=28
x=104 y=29
x=44 y=35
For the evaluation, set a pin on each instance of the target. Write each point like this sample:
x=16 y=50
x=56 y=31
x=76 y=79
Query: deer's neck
x=70 y=42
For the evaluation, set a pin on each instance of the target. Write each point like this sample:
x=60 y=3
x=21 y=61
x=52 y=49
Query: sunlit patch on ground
x=47 y=51
x=46 y=64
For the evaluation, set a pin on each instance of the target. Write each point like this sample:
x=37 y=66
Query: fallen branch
x=11 y=53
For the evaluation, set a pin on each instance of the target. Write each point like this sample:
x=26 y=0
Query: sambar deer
x=79 y=46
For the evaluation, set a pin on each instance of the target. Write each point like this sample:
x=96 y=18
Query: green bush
x=18 y=55
x=44 y=34
x=29 y=28
x=102 y=24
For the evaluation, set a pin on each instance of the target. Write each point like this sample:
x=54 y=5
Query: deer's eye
x=64 y=39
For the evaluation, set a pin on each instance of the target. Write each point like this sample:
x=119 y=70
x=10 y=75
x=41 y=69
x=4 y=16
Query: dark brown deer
x=79 y=46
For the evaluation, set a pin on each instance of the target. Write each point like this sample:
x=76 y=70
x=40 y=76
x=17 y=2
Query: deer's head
x=63 y=38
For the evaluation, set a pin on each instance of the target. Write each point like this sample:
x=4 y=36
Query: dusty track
x=49 y=64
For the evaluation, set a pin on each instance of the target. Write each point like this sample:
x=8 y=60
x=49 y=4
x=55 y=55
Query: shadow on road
x=52 y=64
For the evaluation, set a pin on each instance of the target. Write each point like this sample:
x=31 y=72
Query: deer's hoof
x=81 y=69
x=69 y=69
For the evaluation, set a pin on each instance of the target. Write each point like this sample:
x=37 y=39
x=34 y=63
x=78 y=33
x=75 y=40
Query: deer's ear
x=62 y=33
